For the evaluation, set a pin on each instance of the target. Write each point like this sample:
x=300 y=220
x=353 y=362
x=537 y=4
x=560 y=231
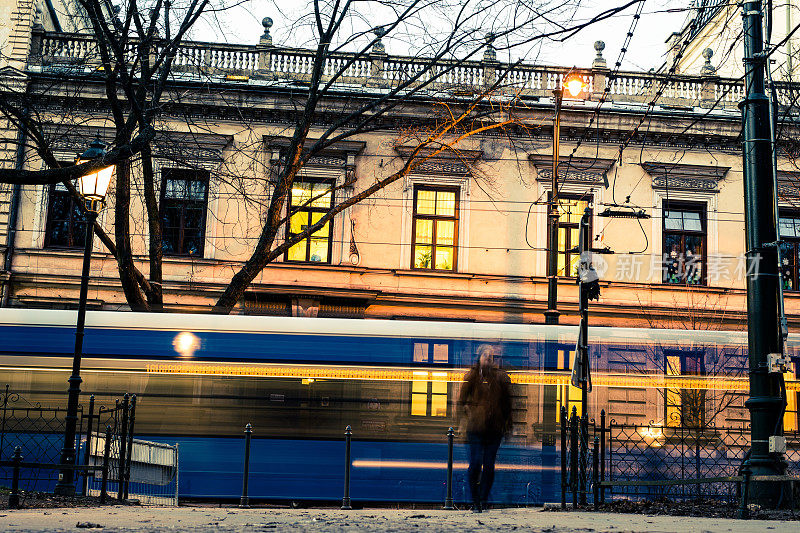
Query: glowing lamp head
x=94 y=185
x=186 y=343
x=574 y=86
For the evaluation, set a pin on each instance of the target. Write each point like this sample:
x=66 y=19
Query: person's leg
x=491 y=444
x=474 y=472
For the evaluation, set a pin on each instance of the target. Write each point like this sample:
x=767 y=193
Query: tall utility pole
x=551 y=314
x=763 y=328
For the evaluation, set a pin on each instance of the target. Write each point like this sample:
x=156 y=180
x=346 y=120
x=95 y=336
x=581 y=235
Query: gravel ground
x=195 y=519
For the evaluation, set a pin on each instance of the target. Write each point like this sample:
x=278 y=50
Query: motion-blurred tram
x=200 y=379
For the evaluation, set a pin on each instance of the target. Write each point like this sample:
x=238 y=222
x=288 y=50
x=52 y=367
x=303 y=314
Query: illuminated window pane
x=424 y=232
x=445 y=232
x=422 y=256
x=321 y=195
x=297 y=252
x=440 y=353
x=318 y=251
x=446 y=203
x=421 y=352
x=298 y=223
x=419 y=404
x=426 y=202
x=439 y=404
x=444 y=258
x=419 y=386
x=301 y=193
x=790 y=416
x=439 y=387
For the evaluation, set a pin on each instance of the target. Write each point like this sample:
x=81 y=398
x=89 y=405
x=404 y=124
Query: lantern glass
x=574 y=86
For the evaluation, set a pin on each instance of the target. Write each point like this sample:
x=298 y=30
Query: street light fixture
x=93 y=187
x=574 y=85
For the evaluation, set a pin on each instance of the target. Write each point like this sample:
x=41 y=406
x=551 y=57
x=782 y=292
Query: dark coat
x=486 y=399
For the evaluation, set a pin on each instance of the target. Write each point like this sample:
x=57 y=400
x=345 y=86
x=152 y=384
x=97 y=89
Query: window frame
x=692 y=207
x=309 y=209
x=162 y=207
x=79 y=242
x=455 y=219
x=587 y=197
x=795 y=243
x=429 y=394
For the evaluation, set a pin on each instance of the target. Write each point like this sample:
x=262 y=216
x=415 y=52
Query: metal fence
x=602 y=460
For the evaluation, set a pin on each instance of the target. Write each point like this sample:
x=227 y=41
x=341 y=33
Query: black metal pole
x=123 y=442
x=596 y=472
x=448 y=500
x=131 y=422
x=348 y=433
x=584 y=244
x=13 y=498
x=551 y=314
x=765 y=401
x=573 y=456
x=584 y=453
x=244 y=501
x=106 y=460
x=66 y=478
x=87 y=452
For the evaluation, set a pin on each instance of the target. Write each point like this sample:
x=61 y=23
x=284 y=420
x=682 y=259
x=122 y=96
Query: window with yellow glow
x=308 y=203
x=570 y=211
x=435 y=228
x=684 y=406
x=790 y=415
x=429 y=394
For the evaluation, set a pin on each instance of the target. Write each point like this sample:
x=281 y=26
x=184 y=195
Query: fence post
x=697 y=459
x=130 y=445
x=13 y=498
x=584 y=457
x=596 y=472
x=573 y=459
x=564 y=477
x=244 y=501
x=448 y=500
x=123 y=441
x=106 y=459
x=348 y=432
x=602 y=454
x=88 y=451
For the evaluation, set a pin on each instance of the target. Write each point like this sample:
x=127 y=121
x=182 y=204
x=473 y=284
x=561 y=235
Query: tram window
x=429 y=396
x=441 y=352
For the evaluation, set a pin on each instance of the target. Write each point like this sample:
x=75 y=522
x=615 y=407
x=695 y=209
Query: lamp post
x=92 y=187
x=574 y=86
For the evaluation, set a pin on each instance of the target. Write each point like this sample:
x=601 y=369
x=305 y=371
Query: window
x=568 y=395
x=684 y=243
x=789 y=231
x=66 y=225
x=422 y=352
x=429 y=394
x=309 y=202
x=570 y=212
x=684 y=406
x=184 y=195
x=435 y=232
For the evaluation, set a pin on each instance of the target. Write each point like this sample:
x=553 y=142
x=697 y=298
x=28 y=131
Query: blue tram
x=200 y=379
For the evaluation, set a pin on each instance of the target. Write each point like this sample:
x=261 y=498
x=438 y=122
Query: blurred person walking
x=485 y=399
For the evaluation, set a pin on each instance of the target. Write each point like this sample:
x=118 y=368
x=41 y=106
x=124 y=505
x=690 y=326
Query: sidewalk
x=196 y=519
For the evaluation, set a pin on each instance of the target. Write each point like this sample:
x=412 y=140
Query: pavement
x=232 y=519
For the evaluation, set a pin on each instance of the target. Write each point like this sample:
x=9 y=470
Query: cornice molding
x=678 y=176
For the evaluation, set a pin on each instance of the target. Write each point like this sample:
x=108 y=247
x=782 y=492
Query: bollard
x=13 y=498
x=744 y=512
x=348 y=433
x=87 y=452
x=563 y=457
x=596 y=472
x=106 y=458
x=448 y=500
x=123 y=441
x=573 y=456
x=244 y=502
x=602 y=454
x=131 y=421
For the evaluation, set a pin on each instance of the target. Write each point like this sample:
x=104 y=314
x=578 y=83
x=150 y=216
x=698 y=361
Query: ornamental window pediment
x=333 y=162
x=589 y=171
x=681 y=177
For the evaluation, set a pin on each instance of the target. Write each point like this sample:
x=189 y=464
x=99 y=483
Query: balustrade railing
x=261 y=62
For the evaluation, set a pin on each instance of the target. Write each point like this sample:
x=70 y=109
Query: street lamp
x=93 y=187
x=575 y=86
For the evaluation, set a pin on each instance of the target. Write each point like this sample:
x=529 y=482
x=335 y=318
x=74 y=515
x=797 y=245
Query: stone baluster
x=264 y=48
x=708 y=88
x=35 y=55
x=599 y=71
x=377 y=57
x=489 y=62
